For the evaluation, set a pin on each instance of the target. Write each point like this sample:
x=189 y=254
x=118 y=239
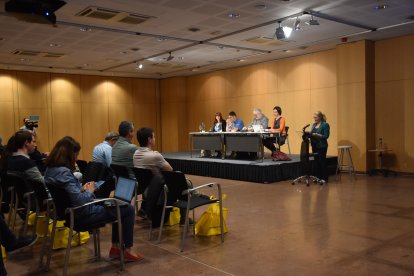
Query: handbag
x=280 y=156
x=174 y=217
x=209 y=222
x=61 y=234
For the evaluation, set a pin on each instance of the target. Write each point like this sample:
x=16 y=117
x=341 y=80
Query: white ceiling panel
x=108 y=47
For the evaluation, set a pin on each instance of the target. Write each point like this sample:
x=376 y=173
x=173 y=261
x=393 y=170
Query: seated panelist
x=277 y=126
x=234 y=124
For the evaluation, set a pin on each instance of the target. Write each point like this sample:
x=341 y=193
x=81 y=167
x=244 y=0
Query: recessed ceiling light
x=85 y=65
x=85 y=29
x=233 y=15
x=140 y=66
x=180 y=58
x=381 y=7
x=160 y=39
x=23 y=60
x=241 y=60
x=286 y=51
x=123 y=52
x=194 y=69
x=194 y=29
x=54 y=45
x=260 y=7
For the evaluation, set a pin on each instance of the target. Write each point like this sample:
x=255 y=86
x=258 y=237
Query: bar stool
x=342 y=166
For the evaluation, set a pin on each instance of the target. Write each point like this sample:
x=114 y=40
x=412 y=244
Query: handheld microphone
x=306 y=127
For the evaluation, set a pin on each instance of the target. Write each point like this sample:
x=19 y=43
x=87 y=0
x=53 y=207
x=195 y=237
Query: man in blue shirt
x=102 y=152
x=234 y=124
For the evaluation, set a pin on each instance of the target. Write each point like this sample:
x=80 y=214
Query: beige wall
x=394 y=100
x=299 y=85
x=339 y=82
x=85 y=107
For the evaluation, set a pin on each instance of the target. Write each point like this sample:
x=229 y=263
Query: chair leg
x=44 y=246
x=95 y=248
x=161 y=226
x=98 y=237
x=221 y=221
x=185 y=229
x=52 y=239
x=67 y=256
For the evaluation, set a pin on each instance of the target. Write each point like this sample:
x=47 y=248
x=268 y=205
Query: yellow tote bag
x=62 y=234
x=209 y=222
x=174 y=217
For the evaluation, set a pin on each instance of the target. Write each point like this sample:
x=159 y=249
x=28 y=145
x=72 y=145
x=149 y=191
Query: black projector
x=36 y=11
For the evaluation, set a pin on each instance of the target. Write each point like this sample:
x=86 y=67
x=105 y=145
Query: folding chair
x=177 y=194
x=59 y=209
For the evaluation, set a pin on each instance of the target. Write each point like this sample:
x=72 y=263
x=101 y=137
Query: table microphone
x=305 y=127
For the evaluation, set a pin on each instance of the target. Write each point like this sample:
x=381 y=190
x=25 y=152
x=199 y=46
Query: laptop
x=124 y=189
x=257 y=128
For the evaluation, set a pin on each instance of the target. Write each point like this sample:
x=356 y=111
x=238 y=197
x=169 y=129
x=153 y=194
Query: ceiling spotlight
x=170 y=57
x=140 y=66
x=296 y=26
x=381 y=7
x=280 y=34
x=85 y=29
x=233 y=15
x=283 y=32
x=312 y=22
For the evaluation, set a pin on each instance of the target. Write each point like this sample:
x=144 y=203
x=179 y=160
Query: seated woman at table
x=219 y=124
x=59 y=173
x=277 y=127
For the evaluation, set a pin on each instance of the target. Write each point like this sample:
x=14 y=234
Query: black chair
x=177 y=194
x=95 y=171
x=59 y=209
x=120 y=171
x=82 y=164
x=21 y=201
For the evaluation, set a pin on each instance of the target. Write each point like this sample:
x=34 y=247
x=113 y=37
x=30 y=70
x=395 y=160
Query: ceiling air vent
x=36 y=54
x=26 y=53
x=113 y=15
x=265 y=41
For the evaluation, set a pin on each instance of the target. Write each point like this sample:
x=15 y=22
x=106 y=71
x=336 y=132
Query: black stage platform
x=267 y=171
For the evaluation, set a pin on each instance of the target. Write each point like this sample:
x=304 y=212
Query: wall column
x=356 y=100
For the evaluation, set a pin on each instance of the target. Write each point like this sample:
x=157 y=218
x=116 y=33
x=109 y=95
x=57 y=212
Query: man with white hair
x=258 y=119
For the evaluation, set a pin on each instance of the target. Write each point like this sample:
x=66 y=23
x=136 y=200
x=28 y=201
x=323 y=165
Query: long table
x=229 y=141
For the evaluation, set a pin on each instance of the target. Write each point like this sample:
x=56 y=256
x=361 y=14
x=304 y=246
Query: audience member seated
x=59 y=173
x=277 y=127
x=16 y=158
x=102 y=152
x=145 y=157
x=11 y=243
x=123 y=150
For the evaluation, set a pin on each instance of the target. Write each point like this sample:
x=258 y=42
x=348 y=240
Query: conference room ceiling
x=188 y=37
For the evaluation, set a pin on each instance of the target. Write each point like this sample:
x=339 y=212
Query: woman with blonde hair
x=319 y=140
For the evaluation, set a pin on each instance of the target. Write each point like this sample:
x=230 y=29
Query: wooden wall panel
x=350 y=60
x=66 y=121
x=144 y=91
x=119 y=91
x=7 y=121
x=93 y=89
x=351 y=121
x=65 y=88
x=32 y=90
x=174 y=123
x=323 y=69
x=94 y=126
x=294 y=74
